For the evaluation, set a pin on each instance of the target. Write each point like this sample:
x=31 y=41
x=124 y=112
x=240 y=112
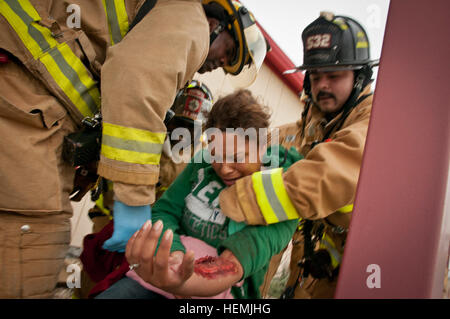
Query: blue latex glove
x=127 y=220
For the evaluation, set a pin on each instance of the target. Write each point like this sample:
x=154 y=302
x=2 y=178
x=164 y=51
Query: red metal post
x=401 y=217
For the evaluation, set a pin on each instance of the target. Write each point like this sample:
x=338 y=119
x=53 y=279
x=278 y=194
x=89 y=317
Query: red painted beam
x=401 y=213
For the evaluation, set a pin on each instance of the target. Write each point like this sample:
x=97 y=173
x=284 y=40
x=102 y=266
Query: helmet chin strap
x=215 y=33
x=363 y=77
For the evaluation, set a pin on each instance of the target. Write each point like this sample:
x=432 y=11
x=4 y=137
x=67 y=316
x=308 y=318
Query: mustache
x=323 y=94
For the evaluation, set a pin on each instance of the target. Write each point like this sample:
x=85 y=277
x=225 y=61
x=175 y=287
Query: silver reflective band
x=272 y=197
x=333 y=251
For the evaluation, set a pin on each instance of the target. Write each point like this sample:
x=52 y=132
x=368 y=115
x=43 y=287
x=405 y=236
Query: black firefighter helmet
x=332 y=43
x=335 y=42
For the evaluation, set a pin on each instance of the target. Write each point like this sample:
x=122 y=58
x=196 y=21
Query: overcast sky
x=285 y=20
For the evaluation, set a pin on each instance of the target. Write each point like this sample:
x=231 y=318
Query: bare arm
x=174 y=272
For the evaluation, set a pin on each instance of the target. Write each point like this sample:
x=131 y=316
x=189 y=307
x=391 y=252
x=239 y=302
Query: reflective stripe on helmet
x=117 y=17
x=131 y=145
x=272 y=196
x=63 y=65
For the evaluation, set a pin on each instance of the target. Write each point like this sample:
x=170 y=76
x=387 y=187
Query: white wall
x=283 y=102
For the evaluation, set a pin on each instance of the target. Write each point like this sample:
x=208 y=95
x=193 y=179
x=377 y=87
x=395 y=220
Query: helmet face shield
x=257 y=49
x=256 y=44
x=250 y=43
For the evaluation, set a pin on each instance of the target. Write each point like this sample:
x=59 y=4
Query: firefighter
x=187 y=113
x=320 y=189
x=191 y=106
x=50 y=81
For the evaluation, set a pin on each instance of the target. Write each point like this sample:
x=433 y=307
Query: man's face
x=330 y=90
x=221 y=51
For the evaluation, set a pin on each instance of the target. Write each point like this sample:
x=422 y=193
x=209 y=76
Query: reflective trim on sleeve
x=101 y=206
x=117 y=17
x=272 y=197
x=66 y=69
x=131 y=145
x=346 y=209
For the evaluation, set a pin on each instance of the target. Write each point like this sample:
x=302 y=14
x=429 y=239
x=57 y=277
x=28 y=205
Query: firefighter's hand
x=279 y=156
x=165 y=270
x=127 y=220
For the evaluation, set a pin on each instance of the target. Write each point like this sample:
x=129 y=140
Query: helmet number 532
x=318 y=41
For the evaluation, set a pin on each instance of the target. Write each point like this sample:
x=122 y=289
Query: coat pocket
x=24 y=99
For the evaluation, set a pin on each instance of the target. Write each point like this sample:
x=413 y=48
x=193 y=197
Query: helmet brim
x=332 y=67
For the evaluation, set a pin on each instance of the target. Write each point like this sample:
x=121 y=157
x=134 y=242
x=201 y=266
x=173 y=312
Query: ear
x=213 y=23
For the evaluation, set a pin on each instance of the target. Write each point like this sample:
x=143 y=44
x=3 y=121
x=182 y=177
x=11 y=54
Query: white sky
x=285 y=20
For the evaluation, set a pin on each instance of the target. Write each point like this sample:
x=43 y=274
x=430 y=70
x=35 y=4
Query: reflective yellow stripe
x=129 y=133
x=19 y=25
x=63 y=65
x=130 y=156
x=122 y=17
x=163 y=188
x=101 y=205
x=300 y=224
x=261 y=198
x=328 y=244
x=362 y=44
x=82 y=89
x=346 y=209
x=272 y=197
x=131 y=145
x=117 y=17
x=280 y=191
x=341 y=24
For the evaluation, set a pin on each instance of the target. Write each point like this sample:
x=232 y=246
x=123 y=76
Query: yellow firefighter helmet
x=251 y=47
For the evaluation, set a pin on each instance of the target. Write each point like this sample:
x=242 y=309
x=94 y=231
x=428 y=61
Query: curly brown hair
x=238 y=110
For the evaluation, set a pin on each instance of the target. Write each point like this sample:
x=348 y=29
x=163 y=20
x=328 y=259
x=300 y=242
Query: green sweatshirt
x=190 y=206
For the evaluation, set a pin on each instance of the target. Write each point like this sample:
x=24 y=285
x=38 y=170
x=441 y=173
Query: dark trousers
x=127 y=288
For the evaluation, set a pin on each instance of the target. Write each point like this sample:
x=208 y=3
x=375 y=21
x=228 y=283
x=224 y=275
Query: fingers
x=141 y=250
x=150 y=239
x=162 y=256
x=187 y=266
x=136 y=243
x=129 y=246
